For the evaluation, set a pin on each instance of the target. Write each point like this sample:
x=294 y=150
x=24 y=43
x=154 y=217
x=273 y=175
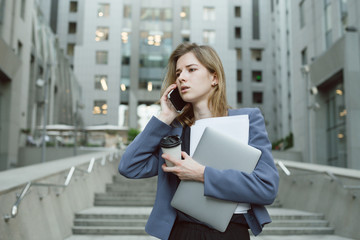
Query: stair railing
x=332 y=176
x=25 y=190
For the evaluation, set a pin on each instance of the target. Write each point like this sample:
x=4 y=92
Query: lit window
x=101 y=82
x=256 y=76
x=103 y=10
x=100 y=107
x=102 y=34
x=209 y=14
x=256 y=54
x=101 y=57
x=209 y=36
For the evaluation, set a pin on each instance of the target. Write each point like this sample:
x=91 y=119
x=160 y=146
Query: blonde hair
x=207 y=56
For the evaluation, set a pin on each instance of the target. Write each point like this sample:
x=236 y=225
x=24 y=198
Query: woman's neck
x=201 y=111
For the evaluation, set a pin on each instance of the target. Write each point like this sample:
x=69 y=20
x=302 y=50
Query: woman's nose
x=182 y=77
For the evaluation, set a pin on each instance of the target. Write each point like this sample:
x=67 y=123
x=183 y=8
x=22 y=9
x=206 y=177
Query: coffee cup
x=172 y=146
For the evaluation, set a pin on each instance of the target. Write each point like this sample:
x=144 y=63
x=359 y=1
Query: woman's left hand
x=187 y=169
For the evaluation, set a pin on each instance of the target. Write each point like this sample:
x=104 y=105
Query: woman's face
x=193 y=79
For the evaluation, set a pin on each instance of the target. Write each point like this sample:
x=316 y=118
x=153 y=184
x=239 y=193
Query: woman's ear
x=215 y=80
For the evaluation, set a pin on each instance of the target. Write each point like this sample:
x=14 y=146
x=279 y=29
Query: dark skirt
x=195 y=231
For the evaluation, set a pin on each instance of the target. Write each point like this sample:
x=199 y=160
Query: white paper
x=233 y=126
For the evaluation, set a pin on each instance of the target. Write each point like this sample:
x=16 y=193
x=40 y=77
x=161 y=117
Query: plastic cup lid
x=170 y=141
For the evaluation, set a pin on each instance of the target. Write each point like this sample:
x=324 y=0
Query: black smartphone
x=176 y=100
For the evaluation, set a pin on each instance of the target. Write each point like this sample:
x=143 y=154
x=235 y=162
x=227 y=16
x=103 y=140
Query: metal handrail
x=15 y=207
x=330 y=174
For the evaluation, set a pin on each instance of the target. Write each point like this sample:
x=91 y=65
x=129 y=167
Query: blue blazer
x=142 y=159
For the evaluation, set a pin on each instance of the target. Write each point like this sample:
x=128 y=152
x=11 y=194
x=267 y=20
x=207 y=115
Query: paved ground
x=304 y=237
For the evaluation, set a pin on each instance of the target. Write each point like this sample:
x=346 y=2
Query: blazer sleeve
x=141 y=157
x=258 y=187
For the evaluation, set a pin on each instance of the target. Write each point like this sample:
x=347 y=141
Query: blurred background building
x=298 y=61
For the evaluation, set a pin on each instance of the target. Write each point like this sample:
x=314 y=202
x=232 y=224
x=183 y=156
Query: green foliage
x=111 y=132
x=284 y=144
x=132 y=133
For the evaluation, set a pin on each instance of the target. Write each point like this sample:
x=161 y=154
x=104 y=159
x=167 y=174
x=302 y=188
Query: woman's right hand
x=168 y=112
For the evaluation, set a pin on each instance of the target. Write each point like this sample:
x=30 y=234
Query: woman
x=198 y=73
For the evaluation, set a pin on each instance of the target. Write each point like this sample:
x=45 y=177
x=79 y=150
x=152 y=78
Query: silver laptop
x=219 y=151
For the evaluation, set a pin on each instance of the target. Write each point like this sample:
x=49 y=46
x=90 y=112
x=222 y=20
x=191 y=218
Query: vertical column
x=134 y=63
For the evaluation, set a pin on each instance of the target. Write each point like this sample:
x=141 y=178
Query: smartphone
x=176 y=100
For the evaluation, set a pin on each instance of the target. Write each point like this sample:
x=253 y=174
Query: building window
x=304 y=57
x=208 y=36
x=301 y=14
x=257 y=97
x=256 y=20
x=127 y=11
x=100 y=107
x=238 y=54
x=239 y=75
x=22 y=9
x=72 y=27
x=101 y=57
x=73 y=6
x=256 y=76
x=237 y=32
x=70 y=49
x=328 y=23
x=209 y=14
x=101 y=82
x=102 y=34
x=256 y=54
x=103 y=10
x=237 y=11
x=239 y=97
x=19 y=49
x=336 y=126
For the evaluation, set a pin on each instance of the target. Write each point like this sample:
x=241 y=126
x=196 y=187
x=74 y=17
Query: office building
x=326 y=70
x=37 y=86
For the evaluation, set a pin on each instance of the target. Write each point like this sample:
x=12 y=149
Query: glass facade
x=101 y=57
x=336 y=126
x=103 y=10
x=100 y=107
x=155 y=45
x=101 y=82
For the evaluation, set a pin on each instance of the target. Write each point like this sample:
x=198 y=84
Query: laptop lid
x=219 y=151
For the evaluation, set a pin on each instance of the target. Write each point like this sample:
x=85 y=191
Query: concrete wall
x=48 y=213
x=32 y=155
x=309 y=188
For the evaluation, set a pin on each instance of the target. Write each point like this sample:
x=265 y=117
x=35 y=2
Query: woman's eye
x=192 y=69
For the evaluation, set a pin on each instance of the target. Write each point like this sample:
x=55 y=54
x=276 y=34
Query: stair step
x=126 y=193
x=123 y=203
x=109 y=230
x=297 y=230
x=110 y=222
x=124 y=197
x=299 y=223
x=120 y=178
x=290 y=214
x=126 y=187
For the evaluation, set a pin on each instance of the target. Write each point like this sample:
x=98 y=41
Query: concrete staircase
x=125 y=207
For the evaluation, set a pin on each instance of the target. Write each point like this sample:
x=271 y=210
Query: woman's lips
x=184 y=89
